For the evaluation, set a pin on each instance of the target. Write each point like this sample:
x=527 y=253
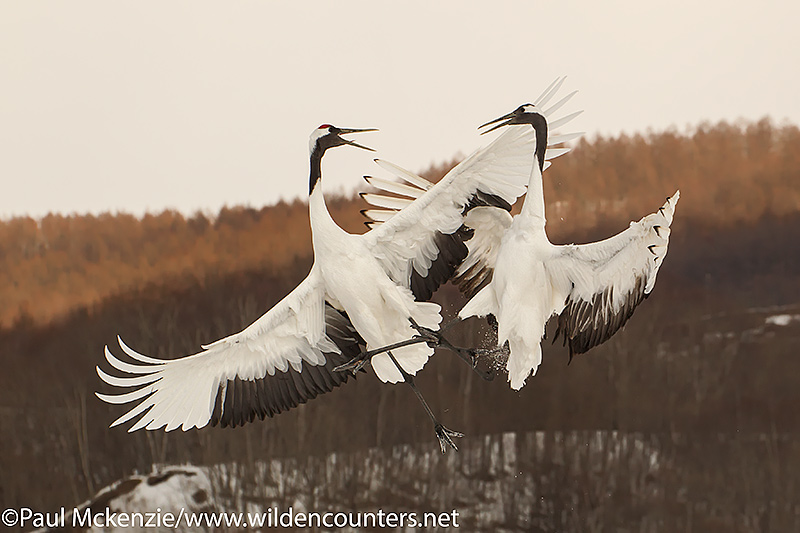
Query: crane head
x=328 y=136
x=524 y=114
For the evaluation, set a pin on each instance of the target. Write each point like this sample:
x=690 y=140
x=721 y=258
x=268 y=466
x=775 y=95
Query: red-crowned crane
x=514 y=274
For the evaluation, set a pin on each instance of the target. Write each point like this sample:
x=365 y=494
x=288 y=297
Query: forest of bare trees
x=703 y=358
x=732 y=174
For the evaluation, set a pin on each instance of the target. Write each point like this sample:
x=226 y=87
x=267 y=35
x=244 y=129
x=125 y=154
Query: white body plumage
x=378 y=307
x=593 y=288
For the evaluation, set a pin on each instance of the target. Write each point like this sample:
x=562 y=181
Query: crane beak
x=344 y=131
x=508 y=120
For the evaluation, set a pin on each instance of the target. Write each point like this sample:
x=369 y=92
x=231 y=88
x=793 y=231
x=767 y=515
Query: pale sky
x=141 y=106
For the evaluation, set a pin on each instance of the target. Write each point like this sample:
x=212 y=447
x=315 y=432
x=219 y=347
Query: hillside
x=729 y=174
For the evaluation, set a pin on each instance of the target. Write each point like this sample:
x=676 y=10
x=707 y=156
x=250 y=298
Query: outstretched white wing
x=420 y=233
x=284 y=358
x=422 y=244
x=606 y=280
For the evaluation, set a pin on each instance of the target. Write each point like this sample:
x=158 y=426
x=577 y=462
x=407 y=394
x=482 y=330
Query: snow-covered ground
x=511 y=478
x=755 y=325
x=782 y=320
x=543 y=481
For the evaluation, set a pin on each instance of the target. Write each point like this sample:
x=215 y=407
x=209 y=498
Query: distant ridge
x=729 y=173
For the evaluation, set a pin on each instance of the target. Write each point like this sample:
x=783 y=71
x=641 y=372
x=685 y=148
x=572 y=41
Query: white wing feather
x=489 y=225
x=413 y=186
x=603 y=282
x=182 y=392
x=501 y=169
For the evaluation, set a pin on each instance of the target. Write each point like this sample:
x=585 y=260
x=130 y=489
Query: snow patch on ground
x=782 y=320
x=168 y=489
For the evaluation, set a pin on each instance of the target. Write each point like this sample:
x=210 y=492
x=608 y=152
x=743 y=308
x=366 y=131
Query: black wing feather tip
x=217 y=411
x=477 y=276
x=584 y=325
x=227 y=408
x=452 y=252
x=240 y=401
x=484 y=199
x=292 y=396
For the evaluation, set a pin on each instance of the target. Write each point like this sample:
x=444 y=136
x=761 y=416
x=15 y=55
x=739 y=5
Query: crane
x=593 y=288
x=283 y=359
x=514 y=275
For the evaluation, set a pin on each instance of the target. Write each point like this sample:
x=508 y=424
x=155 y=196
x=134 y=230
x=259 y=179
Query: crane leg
x=468 y=355
x=444 y=434
x=357 y=363
x=433 y=339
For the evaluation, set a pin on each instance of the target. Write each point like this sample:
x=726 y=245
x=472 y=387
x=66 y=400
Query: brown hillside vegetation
x=729 y=174
x=63 y=262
